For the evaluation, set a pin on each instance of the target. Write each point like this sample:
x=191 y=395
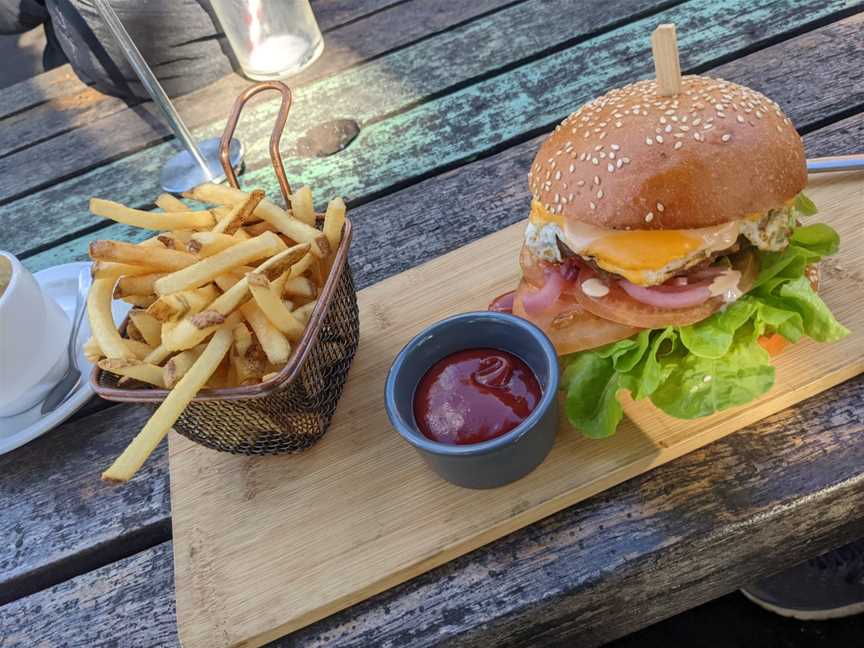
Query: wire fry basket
x=292 y=410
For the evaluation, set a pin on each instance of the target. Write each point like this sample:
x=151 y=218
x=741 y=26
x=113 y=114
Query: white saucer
x=60 y=283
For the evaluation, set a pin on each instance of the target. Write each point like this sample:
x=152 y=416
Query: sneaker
x=830 y=586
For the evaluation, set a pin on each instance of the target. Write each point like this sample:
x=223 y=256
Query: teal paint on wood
x=366 y=94
x=473 y=120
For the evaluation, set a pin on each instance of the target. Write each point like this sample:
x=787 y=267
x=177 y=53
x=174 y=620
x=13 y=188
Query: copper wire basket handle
x=275 y=136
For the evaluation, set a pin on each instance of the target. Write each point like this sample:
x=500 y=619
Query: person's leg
x=827 y=587
x=178 y=38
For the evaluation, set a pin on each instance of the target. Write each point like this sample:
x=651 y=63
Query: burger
x=666 y=252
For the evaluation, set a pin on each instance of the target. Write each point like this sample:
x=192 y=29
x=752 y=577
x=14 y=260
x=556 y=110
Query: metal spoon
x=837 y=163
x=73 y=373
x=196 y=164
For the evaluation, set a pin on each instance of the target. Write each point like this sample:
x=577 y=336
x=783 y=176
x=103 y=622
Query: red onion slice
x=537 y=302
x=668 y=296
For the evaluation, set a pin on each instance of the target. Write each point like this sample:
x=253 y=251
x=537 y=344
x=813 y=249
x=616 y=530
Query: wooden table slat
x=470 y=122
x=584 y=576
x=383 y=87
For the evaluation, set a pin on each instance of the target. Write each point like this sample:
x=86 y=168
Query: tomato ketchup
x=475 y=395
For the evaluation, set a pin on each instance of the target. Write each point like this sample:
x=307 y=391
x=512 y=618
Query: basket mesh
x=295 y=416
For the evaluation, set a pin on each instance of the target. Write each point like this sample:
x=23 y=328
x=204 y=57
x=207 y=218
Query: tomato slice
x=774 y=343
x=619 y=307
x=570 y=327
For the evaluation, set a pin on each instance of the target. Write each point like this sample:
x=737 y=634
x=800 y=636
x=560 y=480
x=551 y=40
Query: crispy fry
x=259 y=228
x=301 y=287
x=134 y=369
x=161 y=259
x=151 y=220
x=334 y=221
x=139 y=301
x=138 y=349
x=276 y=346
x=92 y=351
x=206 y=244
x=177 y=366
x=186 y=335
x=206 y=270
x=170 y=203
x=305 y=312
x=157 y=356
x=134 y=456
x=303 y=265
x=239 y=213
x=132 y=332
x=102 y=321
x=107 y=270
x=136 y=285
x=301 y=206
x=179 y=304
x=241 y=234
x=271 y=305
x=295 y=229
x=149 y=327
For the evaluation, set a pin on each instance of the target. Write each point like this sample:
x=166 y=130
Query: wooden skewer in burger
x=659 y=211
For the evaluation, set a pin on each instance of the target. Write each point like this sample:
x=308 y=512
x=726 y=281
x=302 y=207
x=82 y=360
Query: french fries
x=149 y=220
x=205 y=270
x=293 y=228
x=170 y=203
x=142 y=446
x=214 y=292
x=156 y=258
x=135 y=369
x=301 y=206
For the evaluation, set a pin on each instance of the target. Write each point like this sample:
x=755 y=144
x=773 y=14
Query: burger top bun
x=633 y=159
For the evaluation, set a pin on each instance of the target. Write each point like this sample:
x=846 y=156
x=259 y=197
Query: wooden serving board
x=264 y=546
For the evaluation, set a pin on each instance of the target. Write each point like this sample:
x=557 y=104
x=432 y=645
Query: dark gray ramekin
x=498 y=461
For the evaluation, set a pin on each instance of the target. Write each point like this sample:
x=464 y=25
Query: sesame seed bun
x=631 y=159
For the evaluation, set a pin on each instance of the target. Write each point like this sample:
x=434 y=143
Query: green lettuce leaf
x=805 y=206
x=694 y=371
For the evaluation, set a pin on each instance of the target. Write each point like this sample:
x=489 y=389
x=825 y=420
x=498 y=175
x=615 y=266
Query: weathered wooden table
x=452 y=99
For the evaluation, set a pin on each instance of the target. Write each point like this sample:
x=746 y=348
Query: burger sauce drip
x=474 y=396
x=503 y=303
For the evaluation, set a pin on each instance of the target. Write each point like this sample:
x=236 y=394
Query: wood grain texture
x=456 y=127
x=128 y=603
x=376 y=89
x=495 y=185
x=588 y=574
x=75 y=133
x=58 y=519
x=381 y=517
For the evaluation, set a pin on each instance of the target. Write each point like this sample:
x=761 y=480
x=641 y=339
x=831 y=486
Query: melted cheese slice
x=638 y=255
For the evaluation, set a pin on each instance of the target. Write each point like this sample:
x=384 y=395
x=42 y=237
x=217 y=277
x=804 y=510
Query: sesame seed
x=678 y=145
x=593 y=206
x=618 y=124
x=660 y=207
x=708 y=127
x=586 y=134
x=740 y=119
x=602 y=154
x=779 y=130
x=726 y=137
x=611 y=155
x=684 y=128
x=659 y=139
x=619 y=164
x=698 y=136
x=615 y=147
x=597 y=180
x=649 y=141
x=599 y=147
x=668 y=128
x=759 y=115
x=599 y=194
x=557 y=175
x=662 y=120
x=594 y=161
x=572 y=168
x=580 y=183
x=602 y=135
x=557 y=198
x=610 y=167
x=649 y=217
x=697 y=121
x=626 y=160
